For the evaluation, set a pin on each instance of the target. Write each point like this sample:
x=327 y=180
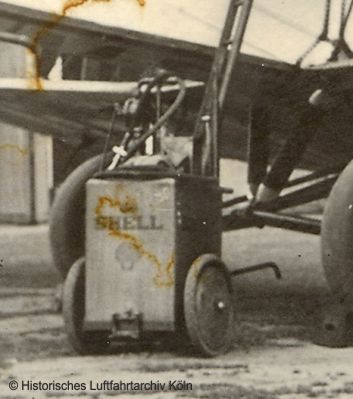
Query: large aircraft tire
x=337 y=235
x=67 y=218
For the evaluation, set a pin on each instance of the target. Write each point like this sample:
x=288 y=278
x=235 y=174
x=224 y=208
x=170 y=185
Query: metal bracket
x=127 y=325
x=256 y=268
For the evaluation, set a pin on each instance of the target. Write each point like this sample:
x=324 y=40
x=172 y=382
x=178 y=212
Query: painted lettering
x=127 y=222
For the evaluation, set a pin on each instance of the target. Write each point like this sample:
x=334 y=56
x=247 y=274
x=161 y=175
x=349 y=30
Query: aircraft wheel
x=208 y=307
x=67 y=217
x=337 y=235
x=74 y=311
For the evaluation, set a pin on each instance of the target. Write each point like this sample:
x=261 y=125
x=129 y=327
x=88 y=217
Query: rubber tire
x=67 y=217
x=337 y=235
x=191 y=314
x=82 y=342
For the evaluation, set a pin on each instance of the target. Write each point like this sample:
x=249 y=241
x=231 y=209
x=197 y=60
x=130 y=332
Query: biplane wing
x=278 y=32
x=69 y=108
x=179 y=34
x=127 y=39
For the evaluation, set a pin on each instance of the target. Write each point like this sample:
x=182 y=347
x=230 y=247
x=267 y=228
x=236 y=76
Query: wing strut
x=340 y=46
x=205 y=135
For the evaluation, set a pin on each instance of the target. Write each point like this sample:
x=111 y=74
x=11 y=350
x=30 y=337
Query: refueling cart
x=152 y=263
x=153 y=245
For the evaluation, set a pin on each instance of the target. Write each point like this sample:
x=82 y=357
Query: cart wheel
x=337 y=235
x=74 y=310
x=208 y=308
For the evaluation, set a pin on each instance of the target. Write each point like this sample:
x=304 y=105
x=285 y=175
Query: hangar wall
x=25 y=157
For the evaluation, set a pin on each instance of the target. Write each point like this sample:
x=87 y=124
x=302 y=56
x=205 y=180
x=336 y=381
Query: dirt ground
x=273 y=354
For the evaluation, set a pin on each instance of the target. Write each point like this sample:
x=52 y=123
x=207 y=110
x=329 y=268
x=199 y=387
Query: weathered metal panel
x=130 y=251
